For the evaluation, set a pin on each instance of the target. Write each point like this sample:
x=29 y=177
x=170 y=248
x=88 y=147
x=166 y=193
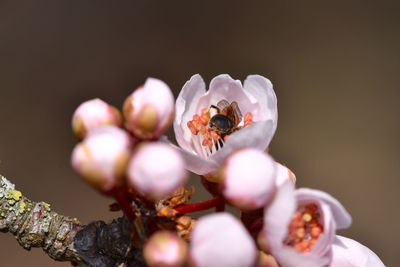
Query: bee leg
x=220 y=142
x=215 y=107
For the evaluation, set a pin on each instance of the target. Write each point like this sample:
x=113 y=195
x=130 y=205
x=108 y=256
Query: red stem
x=124 y=201
x=199 y=206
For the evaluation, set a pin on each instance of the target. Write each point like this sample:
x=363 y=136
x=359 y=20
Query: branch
x=63 y=238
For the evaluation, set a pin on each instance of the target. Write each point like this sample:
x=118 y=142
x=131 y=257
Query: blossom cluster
x=223 y=135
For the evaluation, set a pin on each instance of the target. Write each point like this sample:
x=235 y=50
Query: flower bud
x=221 y=240
x=156 y=170
x=92 y=114
x=149 y=110
x=101 y=158
x=249 y=179
x=165 y=249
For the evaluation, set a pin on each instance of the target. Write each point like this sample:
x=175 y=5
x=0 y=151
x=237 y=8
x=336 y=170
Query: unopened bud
x=165 y=249
x=149 y=110
x=92 y=114
x=101 y=158
x=221 y=240
x=156 y=170
x=249 y=179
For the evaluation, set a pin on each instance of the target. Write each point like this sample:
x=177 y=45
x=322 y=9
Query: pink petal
x=257 y=135
x=197 y=164
x=224 y=87
x=340 y=215
x=185 y=108
x=261 y=90
x=349 y=253
x=221 y=240
x=278 y=215
x=288 y=257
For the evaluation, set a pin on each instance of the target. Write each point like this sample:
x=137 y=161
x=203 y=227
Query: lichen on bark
x=34 y=224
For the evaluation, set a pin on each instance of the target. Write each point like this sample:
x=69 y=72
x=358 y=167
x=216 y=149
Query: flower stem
x=199 y=206
x=124 y=202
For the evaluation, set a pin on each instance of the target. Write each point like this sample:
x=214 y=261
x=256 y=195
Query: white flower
x=257 y=103
x=221 y=240
x=300 y=226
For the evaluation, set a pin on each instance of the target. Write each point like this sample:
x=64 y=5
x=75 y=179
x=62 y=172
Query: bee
x=227 y=118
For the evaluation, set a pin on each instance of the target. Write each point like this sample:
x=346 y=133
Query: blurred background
x=335 y=70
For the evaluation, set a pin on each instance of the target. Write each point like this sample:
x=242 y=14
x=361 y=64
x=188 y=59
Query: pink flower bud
x=101 y=158
x=92 y=114
x=149 y=110
x=156 y=170
x=249 y=181
x=165 y=249
x=221 y=240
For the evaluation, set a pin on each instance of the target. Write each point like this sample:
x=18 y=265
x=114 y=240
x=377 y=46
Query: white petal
x=261 y=90
x=224 y=87
x=340 y=214
x=186 y=107
x=349 y=253
x=288 y=257
x=197 y=164
x=278 y=215
x=257 y=135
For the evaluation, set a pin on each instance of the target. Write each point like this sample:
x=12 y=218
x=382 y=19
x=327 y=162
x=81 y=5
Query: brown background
x=334 y=67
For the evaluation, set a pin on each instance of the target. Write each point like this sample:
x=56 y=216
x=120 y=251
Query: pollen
x=199 y=126
x=304 y=228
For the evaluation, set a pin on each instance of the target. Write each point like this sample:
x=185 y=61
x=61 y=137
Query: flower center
x=304 y=229
x=210 y=131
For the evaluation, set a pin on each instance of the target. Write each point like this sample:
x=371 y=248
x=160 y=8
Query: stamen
x=304 y=229
x=207 y=141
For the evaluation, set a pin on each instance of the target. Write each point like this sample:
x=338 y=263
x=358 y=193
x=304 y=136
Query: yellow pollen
x=307 y=217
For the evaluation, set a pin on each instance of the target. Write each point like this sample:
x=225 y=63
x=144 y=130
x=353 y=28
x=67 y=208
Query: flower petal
x=278 y=215
x=197 y=164
x=257 y=135
x=224 y=87
x=261 y=90
x=186 y=105
x=349 y=253
x=340 y=214
x=288 y=257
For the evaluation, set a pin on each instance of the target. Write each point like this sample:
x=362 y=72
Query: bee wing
x=236 y=113
x=223 y=104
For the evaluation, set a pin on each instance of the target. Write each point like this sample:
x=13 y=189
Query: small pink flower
x=156 y=170
x=165 y=249
x=92 y=114
x=205 y=151
x=101 y=158
x=349 y=253
x=221 y=240
x=249 y=178
x=300 y=226
x=149 y=110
